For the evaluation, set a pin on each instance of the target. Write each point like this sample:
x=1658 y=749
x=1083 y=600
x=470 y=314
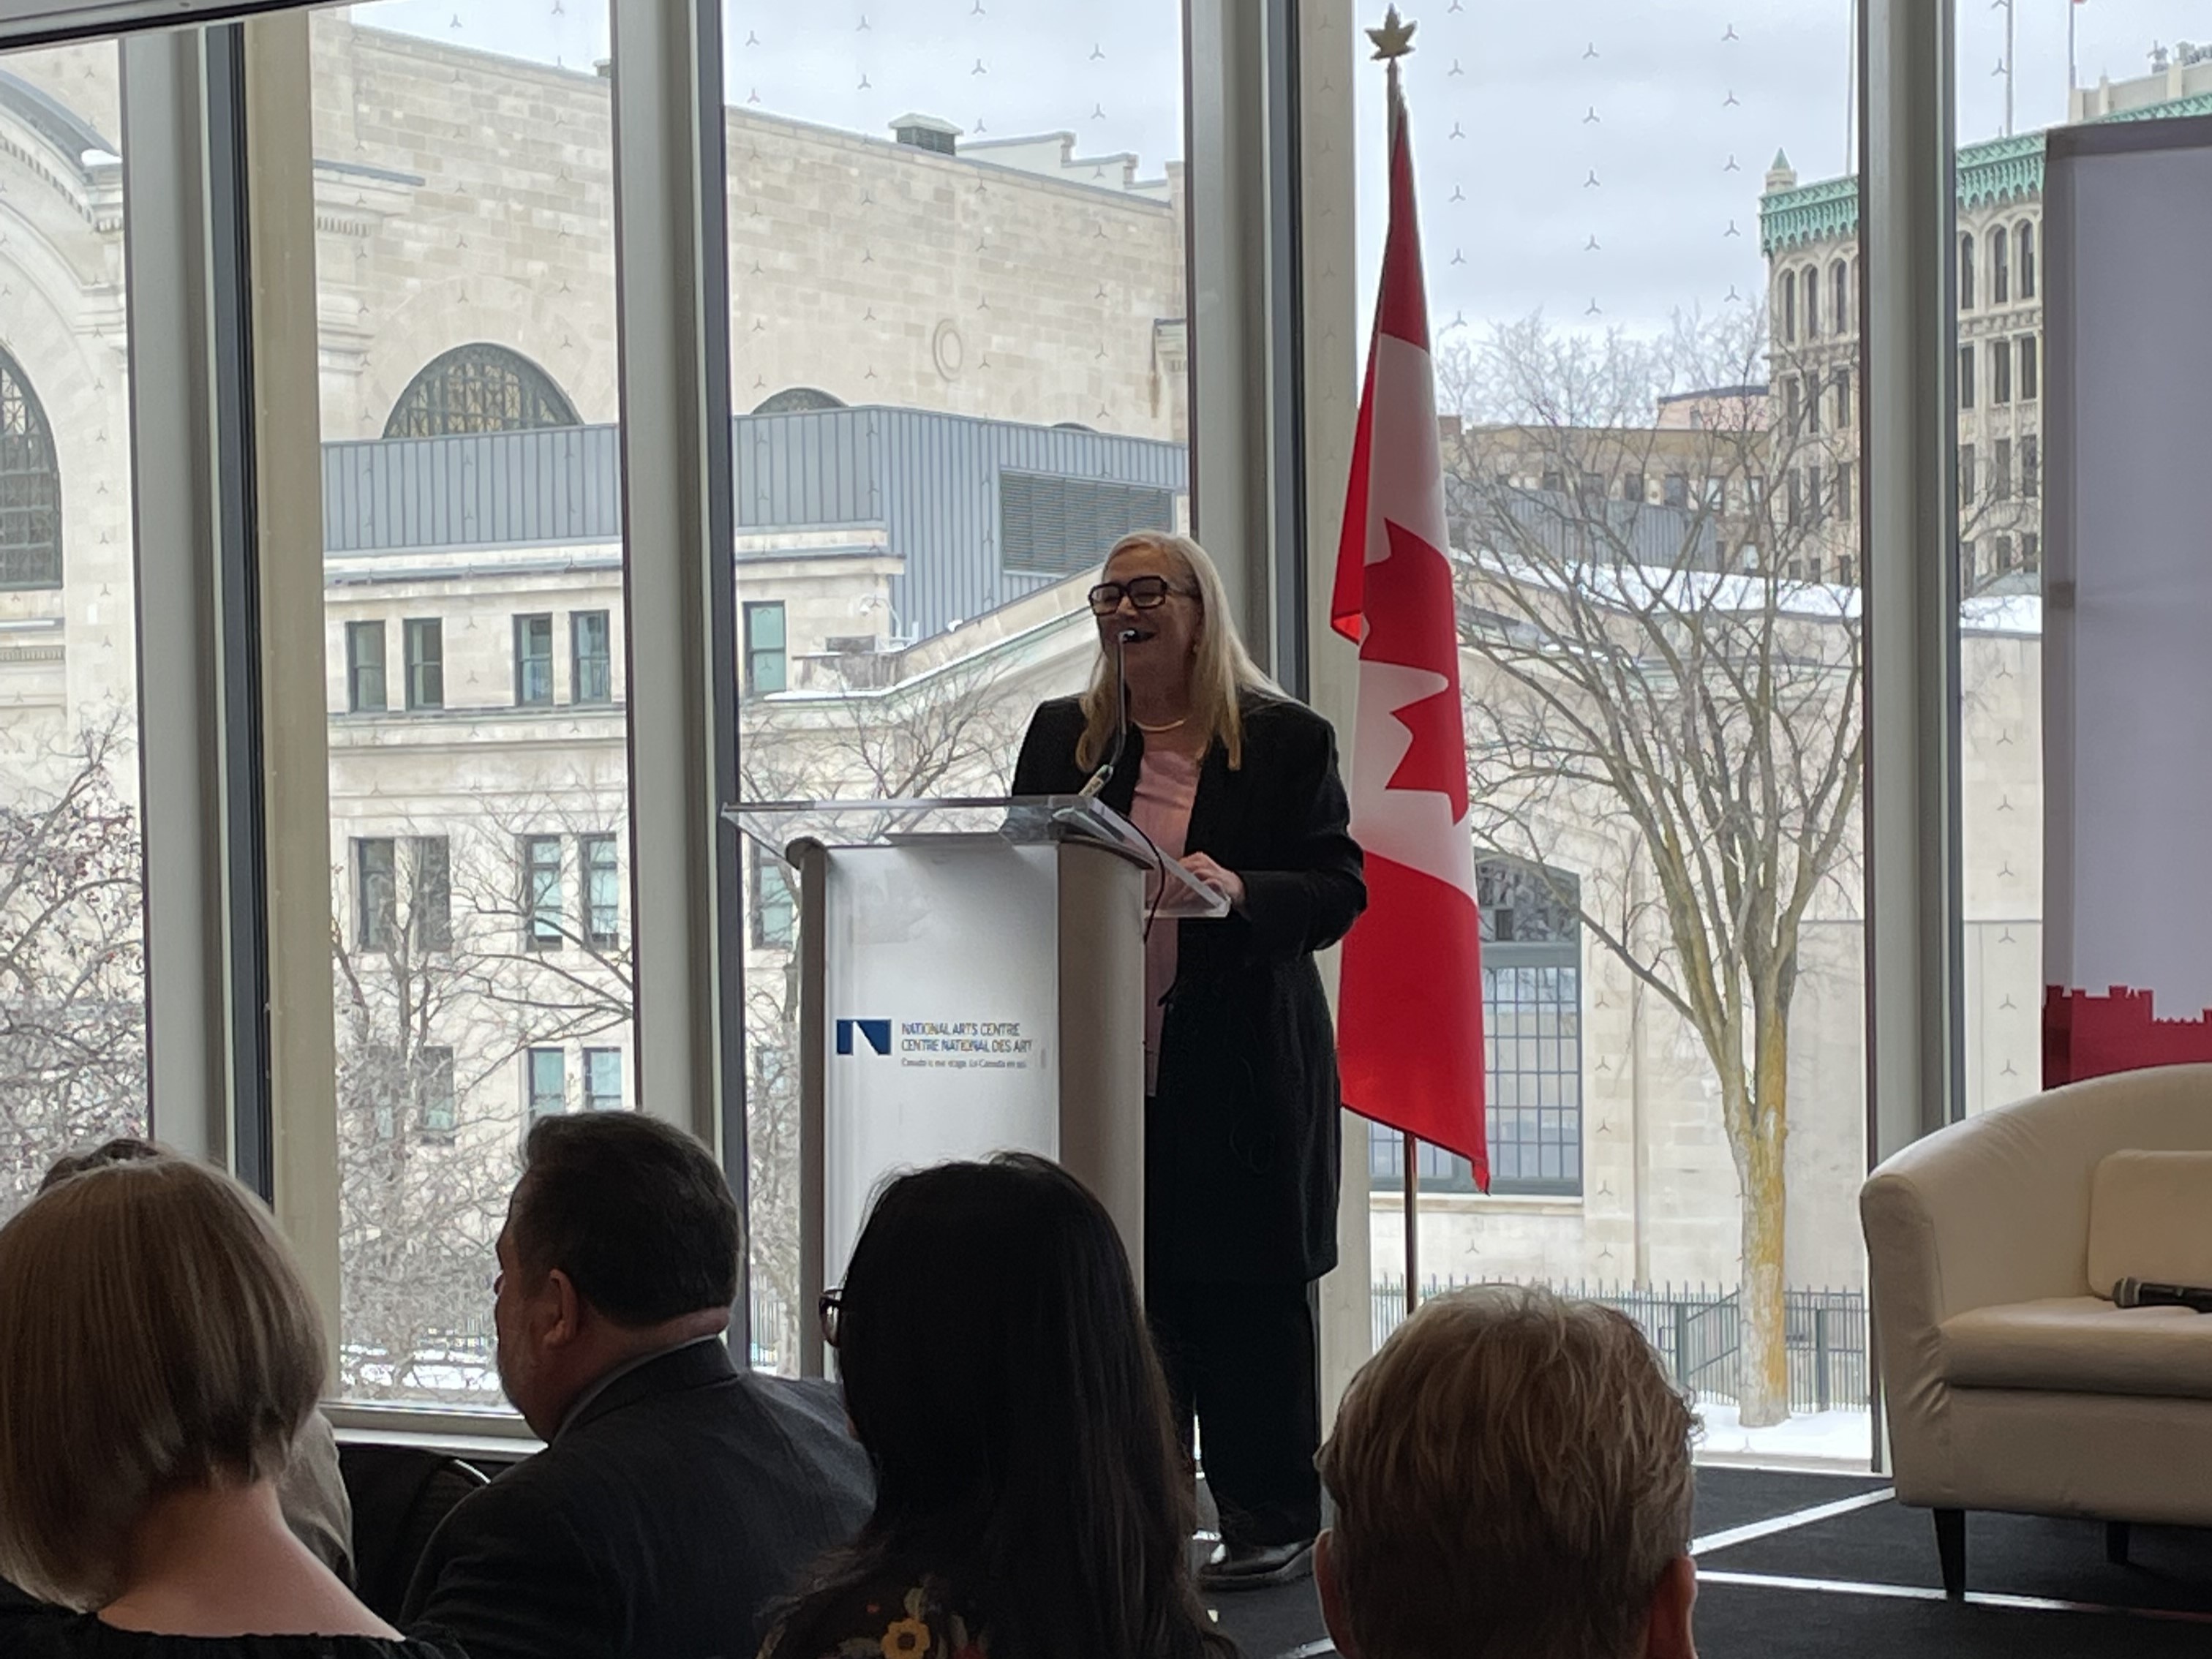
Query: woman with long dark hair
x=1030 y=1500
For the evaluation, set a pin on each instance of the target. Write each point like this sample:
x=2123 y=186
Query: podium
x=971 y=980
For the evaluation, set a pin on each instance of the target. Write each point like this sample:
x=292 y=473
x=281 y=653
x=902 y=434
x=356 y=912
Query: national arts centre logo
x=942 y=1045
x=876 y=1034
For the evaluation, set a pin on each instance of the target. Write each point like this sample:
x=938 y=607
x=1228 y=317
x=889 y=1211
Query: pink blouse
x=1167 y=783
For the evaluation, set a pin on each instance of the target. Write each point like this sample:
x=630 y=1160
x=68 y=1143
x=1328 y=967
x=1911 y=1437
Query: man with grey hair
x=1512 y=1477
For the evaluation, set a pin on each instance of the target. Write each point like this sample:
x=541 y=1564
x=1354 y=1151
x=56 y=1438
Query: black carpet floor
x=1866 y=1583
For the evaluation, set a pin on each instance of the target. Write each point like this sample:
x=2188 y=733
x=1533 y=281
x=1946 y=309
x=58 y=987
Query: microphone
x=1104 y=774
x=2135 y=1293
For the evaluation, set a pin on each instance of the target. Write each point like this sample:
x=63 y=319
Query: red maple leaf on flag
x=1401 y=614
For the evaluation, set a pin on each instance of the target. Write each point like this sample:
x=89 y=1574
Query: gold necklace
x=1154 y=730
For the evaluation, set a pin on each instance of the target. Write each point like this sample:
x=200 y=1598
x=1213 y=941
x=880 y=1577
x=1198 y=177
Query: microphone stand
x=1104 y=774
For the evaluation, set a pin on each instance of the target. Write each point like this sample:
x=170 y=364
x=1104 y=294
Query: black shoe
x=1257 y=1566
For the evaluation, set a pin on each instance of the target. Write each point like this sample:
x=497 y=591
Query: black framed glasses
x=830 y=1310
x=1143 y=592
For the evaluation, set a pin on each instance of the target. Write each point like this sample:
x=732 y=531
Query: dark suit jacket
x=1241 y=1142
x=662 y=1522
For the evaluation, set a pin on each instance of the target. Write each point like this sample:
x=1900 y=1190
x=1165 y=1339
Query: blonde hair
x=1511 y=1475
x=154 y=1335
x=1221 y=672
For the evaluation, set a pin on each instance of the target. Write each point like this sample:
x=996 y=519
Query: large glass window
x=2000 y=185
x=1675 y=1084
x=466 y=275
x=959 y=333
x=72 y=963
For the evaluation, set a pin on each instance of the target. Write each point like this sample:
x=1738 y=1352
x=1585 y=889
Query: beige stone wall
x=873 y=271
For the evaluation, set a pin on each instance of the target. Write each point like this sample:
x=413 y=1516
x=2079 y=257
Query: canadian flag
x=1409 y=1016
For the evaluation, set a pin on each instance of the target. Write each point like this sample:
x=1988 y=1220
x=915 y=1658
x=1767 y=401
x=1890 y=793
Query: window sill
x=1532 y=1204
x=459 y=1433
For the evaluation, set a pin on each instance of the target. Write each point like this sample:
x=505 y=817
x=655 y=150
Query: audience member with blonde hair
x=1512 y=1481
x=312 y=1489
x=158 y=1356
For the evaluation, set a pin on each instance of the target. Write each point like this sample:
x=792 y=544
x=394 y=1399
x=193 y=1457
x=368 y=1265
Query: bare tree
x=427 y=1134
x=72 y=959
x=1656 y=668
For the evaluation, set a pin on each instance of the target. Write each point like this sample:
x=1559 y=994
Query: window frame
x=533 y=663
x=358 y=669
x=430 y=930
x=591 y=673
x=376 y=913
x=597 y=910
x=757 y=612
x=422 y=667
x=437 y=1100
x=545 y=1064
x=544 y=902
x=436 y=401
x=37 y=471
x=596 y=1099
x=765 y=904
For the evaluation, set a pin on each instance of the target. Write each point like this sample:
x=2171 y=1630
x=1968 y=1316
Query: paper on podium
x=775 y=827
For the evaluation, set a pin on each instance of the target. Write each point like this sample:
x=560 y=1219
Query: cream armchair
x=2012 y=1384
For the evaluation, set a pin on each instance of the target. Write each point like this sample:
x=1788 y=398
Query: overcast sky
x=1599 y=159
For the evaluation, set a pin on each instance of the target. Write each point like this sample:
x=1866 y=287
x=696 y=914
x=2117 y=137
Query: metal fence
x=1698 y=1332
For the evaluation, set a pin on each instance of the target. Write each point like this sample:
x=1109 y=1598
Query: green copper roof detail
x=1990 y=173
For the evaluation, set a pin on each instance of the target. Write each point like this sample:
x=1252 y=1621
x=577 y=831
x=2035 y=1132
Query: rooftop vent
x=927 y=132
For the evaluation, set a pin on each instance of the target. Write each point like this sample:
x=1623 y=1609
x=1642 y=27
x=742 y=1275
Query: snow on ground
x=1839 y=1437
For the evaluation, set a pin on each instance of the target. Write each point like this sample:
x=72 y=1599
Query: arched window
x=2028 y=258
x=1965 y=270
x=1812 y=302
x=1839 y=298
x=798 y=400
x=1788 y=307
x=30 y=487
x=2000 y=266
x=480 y=387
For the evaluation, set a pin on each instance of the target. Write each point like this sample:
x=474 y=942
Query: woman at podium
x=1182 y=733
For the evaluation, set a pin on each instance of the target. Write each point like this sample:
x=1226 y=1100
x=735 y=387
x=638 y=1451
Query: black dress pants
x=1241 y=1359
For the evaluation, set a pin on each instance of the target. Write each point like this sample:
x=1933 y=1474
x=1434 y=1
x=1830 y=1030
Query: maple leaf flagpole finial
x=1393 y=40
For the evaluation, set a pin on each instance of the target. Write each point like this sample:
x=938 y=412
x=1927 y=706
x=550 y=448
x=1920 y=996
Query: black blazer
x=662 y=1522
x=1241 y=1142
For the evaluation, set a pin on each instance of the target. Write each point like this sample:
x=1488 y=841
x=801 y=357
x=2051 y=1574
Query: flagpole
x=1411 y=1148
x=1413 y=1223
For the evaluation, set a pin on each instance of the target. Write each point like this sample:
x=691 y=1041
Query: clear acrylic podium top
x=775 y=827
